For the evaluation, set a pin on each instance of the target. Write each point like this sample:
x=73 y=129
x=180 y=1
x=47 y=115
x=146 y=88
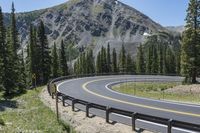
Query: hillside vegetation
x=26 y=113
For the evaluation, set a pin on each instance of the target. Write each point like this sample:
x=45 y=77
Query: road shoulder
x=80 y=122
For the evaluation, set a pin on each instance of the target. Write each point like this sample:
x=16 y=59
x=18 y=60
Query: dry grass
x=162 y=91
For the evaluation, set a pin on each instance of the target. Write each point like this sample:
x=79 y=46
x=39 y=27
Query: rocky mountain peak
x=90 y=24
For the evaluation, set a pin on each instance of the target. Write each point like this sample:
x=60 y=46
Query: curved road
x=97 y=90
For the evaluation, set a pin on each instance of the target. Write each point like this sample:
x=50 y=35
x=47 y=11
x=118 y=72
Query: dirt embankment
x=185 y=89
x=80 y=122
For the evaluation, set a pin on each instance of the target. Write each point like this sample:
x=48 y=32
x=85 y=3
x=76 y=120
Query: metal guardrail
x=108 y=110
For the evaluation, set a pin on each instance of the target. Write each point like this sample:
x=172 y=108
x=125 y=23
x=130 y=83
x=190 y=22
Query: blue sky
x=165 y=12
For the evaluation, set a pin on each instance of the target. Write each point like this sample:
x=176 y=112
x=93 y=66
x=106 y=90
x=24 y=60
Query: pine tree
x=9 y=71
x=108 y=59
x=103 y=60
x=15 y=46
x=84 y=63
x=44 y=55
x=36 y=57
x=177 y=60
x=170 y=61
x=122 y=59
x=81 y=69
x=114 y=61
x=77 y=67
x=13 y=66
x=164 y=70
x=23 y=80
x=154 y=65
x=27 y=66
x=190 y=51
x=75 y=70
x=31 y=60
x=2 y=49
x=1 y=71
x=14 y=32
x=129 y=64
x=98 y=63
x=63 y=60
x=148 y=60
x=140 y=64
x=87 y=65
x=90 y=62
x=55 y=64
x=160 y=59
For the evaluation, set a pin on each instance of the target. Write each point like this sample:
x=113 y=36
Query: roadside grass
x=156 y=90
x=30 y=115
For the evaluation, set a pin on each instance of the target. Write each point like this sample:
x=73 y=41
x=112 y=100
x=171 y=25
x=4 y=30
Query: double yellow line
x=84 y=86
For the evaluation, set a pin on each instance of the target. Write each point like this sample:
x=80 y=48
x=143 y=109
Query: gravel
x=80 y=122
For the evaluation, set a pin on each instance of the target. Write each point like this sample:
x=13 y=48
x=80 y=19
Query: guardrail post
x=87 y=109
x=73 y=104
x=52 y=95
x=107 y=114
x=169 y=128
x=63 y=99
x=55 y=90
x=48 y=88
x=134 y=115
x=57 y=113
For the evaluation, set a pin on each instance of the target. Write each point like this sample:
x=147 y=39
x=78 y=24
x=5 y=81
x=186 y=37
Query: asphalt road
x=97 y=90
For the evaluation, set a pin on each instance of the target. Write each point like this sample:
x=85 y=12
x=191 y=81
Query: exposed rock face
x=90 y=24
x=178 y=29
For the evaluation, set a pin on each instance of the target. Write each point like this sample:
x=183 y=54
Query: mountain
x=178 y=29
x=90 y=24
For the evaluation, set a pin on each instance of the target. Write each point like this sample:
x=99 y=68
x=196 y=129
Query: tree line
x=42 y=62
x=17 y=72
x=158 y=55
x=153 y=57
x=105 y=62
x=12 y=66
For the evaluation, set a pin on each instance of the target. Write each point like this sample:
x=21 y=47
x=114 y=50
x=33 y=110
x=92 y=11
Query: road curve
x=97 y=90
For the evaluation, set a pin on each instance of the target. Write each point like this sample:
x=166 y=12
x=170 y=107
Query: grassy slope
x=156 y=91
x=30 y=115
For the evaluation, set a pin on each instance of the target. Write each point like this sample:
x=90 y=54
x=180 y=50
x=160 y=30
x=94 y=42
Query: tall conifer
x=122 y=59
x=63 y=60
x=140 y=64
x=108 y=59
x=44 y=54
x=114 y=61
x=55 y=64
x=190 y=51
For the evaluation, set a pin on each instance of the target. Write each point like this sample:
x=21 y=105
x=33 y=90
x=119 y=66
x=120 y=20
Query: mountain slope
x=178 y=29
x=90 y=24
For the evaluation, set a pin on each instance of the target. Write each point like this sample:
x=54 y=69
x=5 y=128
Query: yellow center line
x=132 y=103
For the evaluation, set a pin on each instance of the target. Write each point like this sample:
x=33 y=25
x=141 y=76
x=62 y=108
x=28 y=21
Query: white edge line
x=175 y=103
x=63 y=82
x=69 y=80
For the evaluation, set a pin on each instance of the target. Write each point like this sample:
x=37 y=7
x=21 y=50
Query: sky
x=165 y=12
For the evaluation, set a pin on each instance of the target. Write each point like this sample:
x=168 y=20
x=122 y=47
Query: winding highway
x=98 y=90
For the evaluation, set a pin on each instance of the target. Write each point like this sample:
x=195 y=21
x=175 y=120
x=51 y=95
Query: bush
x=2 y=88
x=2 y=122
